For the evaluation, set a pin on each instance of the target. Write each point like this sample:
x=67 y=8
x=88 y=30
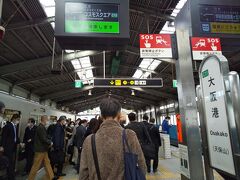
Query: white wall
x=29 y=108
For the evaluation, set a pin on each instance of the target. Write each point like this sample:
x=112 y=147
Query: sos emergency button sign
x=155 y=46
x=204 y=46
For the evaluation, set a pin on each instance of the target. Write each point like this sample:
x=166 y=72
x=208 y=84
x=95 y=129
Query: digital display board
x=126 y=82
x=220 y=19
x=91 y=18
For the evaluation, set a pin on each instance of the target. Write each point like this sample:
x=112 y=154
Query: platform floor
x=169 y=169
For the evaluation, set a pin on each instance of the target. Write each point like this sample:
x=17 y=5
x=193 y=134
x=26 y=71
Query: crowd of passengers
x=100 y=149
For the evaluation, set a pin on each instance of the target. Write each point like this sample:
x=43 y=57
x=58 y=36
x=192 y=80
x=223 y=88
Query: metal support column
x=1 y=5
x=187 y=99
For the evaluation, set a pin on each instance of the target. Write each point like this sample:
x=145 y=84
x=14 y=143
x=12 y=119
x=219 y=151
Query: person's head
x=15 y=119
x=71 y=124
x=152 y=120
x=83 y=122
x=77 y=121
x=55 y=121
x=44 y=120
x=145 y=117
x=110 y=109
x=2 y=108
x=62 y=120
x=31 y=122
x=132 y=116
x=167 y=118
x=122 y=118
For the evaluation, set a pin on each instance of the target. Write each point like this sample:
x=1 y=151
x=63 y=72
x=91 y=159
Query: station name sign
x=128 y=82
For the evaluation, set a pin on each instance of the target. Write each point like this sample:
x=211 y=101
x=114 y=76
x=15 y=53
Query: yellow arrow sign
x=132 y=82
x=125 y=82
x=112 y=82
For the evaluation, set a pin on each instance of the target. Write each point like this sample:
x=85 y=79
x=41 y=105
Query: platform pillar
x=190 y=149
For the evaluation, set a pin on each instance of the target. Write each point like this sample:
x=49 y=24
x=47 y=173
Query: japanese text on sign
x=213 y=89
x=155 y=46
x=202 y=47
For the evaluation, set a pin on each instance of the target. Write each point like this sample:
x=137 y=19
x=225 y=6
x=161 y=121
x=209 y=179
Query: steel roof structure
x=26 y=57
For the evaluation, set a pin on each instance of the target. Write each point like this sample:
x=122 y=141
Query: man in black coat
x=28 y=140
x=9 y=143
x=156 y=139
x=79 y=139
x=58 y=144
x=137 y=127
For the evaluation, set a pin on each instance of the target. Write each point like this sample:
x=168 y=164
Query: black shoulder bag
x=94 y=152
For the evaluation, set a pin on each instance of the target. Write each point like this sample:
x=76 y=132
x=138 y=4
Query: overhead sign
x=126 y=82
x=78 y=84
x=220 y=19
x=215 y=111
x=203 y=46
x=91 y=18
x=155 y=46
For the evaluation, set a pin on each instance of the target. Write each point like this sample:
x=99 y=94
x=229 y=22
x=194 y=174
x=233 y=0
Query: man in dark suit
x=156 y=139
x=58 y=144
x=28 y=140
x=79 y=138
x=137 y=127
x=9 y=143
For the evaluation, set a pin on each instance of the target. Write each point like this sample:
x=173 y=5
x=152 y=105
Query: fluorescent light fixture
x=133 y=93
x=69 y=51
x=90 y=92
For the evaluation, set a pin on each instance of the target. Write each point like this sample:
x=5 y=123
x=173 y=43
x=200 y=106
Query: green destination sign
x=91 y=18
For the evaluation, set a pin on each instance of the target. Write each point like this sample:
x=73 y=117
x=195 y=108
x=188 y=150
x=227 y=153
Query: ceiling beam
x=156 y=93
x=68 y=92
x=26 y=65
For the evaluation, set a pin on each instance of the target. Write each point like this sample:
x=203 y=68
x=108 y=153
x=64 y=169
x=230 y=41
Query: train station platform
x=169 y=169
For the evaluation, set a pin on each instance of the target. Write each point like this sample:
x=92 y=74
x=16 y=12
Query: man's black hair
x=2 y=105
x=15 y=116
x=32 y=120
x=152 y=120
x=132 y=116
x=145 y=117
x=110 y=107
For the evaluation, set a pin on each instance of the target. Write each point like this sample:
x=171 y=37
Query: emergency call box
x=92 y=24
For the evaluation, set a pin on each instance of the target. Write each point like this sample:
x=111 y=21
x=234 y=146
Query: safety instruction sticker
x=184 y=161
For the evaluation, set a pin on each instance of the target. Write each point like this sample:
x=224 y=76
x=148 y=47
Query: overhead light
x=90 y=92
x=133 y=93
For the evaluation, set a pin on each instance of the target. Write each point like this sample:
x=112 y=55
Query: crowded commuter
x=2 y=122
x=123 y=119
x=10 y=140
x=165 y=125
x=28 y=140
x=51 y=128
x=108 y=145
x=156 y=139
x=91 y=126
x=79 y=139
x=137 y=127
x=75 y=149
x=70 y=146
x=41 y=145
x=58 y=145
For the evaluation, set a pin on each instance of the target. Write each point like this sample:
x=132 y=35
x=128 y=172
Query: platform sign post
x=218 y=115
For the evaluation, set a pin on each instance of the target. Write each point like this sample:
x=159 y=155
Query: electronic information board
x=91 y=18
x=126 y=82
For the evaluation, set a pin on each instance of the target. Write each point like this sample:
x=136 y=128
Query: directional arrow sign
x=127 y=82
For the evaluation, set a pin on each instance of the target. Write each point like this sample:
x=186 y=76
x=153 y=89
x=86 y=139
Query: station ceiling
x=26 y=57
